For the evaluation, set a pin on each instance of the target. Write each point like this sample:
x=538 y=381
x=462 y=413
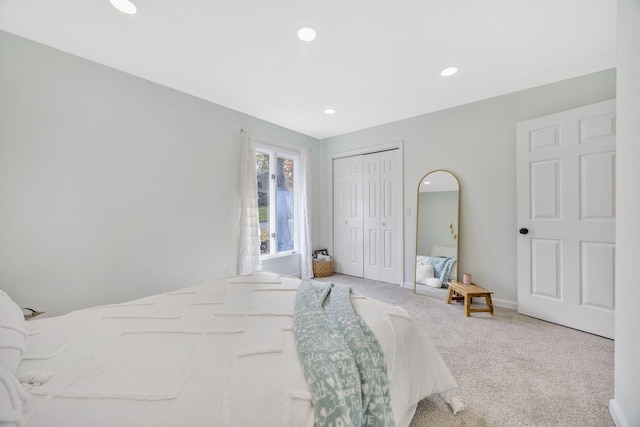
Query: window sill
x=280 y=255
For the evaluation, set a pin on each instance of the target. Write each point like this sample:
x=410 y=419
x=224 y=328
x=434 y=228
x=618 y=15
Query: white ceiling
x=374 y=61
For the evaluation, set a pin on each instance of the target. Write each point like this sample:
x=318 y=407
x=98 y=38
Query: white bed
x=221 y=353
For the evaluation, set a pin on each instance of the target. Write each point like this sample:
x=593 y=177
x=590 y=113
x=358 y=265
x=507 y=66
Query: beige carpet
x=512 y=370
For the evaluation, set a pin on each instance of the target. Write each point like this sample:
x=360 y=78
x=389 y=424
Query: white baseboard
x=505 y=303
x=616 y=414
x=513 y=305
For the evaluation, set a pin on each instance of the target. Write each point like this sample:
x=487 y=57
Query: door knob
x=523 y=231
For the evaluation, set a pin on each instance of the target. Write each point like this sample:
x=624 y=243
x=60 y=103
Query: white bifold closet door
x=368 y=216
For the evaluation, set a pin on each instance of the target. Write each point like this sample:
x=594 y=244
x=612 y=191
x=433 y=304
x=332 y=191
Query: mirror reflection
x=437 y=233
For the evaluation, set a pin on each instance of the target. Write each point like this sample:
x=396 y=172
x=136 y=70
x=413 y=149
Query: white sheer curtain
x=306 y=269
x=249 y=256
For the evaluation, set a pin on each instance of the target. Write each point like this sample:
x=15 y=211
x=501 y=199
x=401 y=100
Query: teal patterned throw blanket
x=342 y=360
x=441 y=267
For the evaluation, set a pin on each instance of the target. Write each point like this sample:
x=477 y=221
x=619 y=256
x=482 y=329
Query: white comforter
x=220 y=354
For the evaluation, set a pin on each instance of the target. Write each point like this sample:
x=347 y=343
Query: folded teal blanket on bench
x=341 y=358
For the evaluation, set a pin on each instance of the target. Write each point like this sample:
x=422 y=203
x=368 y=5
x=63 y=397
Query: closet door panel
x=391 y=269
x=348 y=216
x=372 y=216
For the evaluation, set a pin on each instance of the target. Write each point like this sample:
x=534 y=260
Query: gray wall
x=626 y=405
x=477 y=143
x=113 y=187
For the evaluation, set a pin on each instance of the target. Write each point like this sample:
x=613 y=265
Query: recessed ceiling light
x=427 y=182
x=449 y=71
x=329 y=111
x=124 y=6
x=306 y=34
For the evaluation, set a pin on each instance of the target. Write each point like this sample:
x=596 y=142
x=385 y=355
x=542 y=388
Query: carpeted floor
x=512 y=370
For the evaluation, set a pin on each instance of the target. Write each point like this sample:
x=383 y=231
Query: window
x=277 y=201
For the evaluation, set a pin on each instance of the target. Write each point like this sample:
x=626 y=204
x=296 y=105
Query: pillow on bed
x=424 y=271
x=434 y=282
x=12 y=397
x=12 y=339
x=12 y=333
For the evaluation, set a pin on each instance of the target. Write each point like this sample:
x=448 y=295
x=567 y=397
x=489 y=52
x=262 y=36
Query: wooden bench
x=459 y=291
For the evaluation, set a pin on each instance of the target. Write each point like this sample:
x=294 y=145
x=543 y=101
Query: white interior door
x=348 y=216
x=383 y=217
x=566 y=206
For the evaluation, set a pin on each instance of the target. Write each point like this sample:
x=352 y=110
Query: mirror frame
x=415 y=257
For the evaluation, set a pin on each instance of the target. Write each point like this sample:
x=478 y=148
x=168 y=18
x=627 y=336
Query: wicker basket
x=322 y=268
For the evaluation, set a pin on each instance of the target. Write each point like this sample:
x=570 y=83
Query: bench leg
x=467 y=306
x=489 y=303
x=449 y=295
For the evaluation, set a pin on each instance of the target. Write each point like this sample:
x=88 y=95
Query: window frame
x=274 y=153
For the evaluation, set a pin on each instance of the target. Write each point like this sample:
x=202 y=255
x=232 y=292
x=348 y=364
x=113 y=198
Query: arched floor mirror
x=437 y=233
